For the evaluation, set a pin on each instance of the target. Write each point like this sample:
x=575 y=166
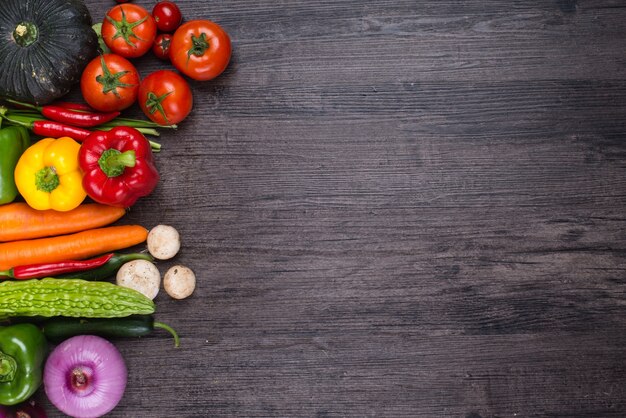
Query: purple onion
x=85 y=376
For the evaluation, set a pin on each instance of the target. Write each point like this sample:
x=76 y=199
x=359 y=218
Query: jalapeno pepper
x=14 y=140
x=61 y=328
x=22 y=351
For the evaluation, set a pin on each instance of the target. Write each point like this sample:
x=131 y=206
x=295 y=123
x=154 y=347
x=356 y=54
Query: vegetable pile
x=70 y=273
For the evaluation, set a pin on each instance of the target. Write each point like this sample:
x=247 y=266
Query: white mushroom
x=141 y=275
x=163 y=242
x=179 y=282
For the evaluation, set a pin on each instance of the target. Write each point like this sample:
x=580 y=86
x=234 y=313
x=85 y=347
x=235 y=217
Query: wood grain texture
x=396 y=208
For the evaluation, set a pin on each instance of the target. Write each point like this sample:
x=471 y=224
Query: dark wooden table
x=396 y=208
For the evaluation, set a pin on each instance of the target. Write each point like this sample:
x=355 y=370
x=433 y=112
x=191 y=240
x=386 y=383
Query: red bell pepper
x=118 y=166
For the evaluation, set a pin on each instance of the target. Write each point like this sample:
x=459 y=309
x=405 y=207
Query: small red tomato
x=167 y=16
x=165 y=97
x=128 y=30
x=110 y=83
x=200 y=49
x=161 y=46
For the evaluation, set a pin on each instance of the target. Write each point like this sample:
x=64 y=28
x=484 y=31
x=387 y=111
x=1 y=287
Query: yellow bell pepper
x=48 y=177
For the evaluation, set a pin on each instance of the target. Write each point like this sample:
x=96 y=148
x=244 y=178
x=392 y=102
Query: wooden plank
x=396 y=208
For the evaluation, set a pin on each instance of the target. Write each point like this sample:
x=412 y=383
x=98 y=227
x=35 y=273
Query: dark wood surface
x=396 y=208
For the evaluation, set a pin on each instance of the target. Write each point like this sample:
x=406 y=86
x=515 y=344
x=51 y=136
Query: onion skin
x=101 y=379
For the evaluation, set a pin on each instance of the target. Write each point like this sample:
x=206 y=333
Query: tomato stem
x=124 y=29
x=200 y=45
x=154 y=103
x=109 y=81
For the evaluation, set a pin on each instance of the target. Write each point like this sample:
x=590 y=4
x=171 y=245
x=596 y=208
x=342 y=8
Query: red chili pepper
x=77 y=118
x=74 y=106
x=35 y=271
x=48 y=128
x=56 y=130
x=118 y=166
x=70 y=113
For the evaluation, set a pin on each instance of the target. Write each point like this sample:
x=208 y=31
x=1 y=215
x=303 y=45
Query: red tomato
x=128 y=30
x=110 y=83
x=161 y=47
x=167 y=16
x=165 y=97
x=200 y=49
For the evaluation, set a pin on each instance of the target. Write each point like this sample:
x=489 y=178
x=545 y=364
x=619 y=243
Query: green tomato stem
x=111 y=82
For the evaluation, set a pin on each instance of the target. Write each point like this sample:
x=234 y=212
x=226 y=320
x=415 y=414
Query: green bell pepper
x=13 y=142
x=23 y=348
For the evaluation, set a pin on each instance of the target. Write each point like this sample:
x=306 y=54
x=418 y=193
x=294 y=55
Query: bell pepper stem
x=113 y=162
x=8 y=367
x=47 y=179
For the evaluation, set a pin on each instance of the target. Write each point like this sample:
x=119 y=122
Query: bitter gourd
x=70 y=297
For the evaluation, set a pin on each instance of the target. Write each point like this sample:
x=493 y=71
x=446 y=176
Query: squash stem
x=25 y=34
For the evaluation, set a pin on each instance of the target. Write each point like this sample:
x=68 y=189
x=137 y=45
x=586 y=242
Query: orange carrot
x=19 y=221
x=70 y=247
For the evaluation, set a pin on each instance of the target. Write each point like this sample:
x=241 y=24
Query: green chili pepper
x=61 y=328
x=13 y=142
x=22 y=351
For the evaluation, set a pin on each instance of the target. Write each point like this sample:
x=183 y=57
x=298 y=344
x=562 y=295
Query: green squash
x=44 y=47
